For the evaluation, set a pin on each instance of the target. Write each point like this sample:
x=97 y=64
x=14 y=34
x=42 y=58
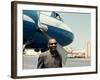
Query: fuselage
x=51 y=23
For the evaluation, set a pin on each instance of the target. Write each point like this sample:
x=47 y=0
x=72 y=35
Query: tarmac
x=30 y=62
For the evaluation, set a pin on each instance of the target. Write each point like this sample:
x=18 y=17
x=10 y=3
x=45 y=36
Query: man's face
x=52 y=44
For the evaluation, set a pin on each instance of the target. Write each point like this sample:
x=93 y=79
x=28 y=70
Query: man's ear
x=48 y=45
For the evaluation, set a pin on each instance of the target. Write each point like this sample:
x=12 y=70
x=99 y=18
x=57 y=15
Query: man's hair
x=50 y=39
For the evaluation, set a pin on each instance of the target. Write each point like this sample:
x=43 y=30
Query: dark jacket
x=47 y=60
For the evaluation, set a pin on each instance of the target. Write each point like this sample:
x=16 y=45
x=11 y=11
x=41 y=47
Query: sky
x=80 y=24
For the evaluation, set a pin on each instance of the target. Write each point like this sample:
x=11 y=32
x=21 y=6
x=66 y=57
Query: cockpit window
x=56 y=15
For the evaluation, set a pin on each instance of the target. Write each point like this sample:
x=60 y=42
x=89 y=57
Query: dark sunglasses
x=52 y=43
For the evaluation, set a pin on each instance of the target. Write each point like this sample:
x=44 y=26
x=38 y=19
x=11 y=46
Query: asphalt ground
x=30 y=62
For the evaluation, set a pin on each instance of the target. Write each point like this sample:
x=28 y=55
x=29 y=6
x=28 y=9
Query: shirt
x=47 y=60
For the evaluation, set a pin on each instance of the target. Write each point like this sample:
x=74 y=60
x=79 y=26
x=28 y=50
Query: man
x=50 y=58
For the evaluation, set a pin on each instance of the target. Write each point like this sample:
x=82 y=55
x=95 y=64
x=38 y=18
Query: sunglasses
x=52 y=43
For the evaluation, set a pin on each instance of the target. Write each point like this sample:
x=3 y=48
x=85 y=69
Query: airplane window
x=56 y=15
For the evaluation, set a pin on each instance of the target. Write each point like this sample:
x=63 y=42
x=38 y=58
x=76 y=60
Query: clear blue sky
x=80 y=23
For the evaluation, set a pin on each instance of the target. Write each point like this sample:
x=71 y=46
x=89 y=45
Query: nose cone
x=57 y=29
